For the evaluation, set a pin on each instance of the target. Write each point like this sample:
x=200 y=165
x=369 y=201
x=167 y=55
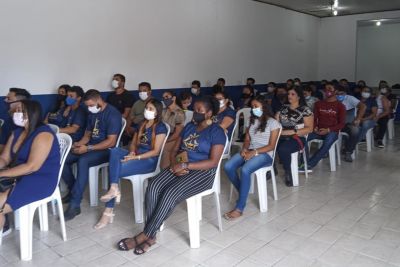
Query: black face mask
x=245 y=95
x=198 y=117
x=168 y=102
x=61 y=98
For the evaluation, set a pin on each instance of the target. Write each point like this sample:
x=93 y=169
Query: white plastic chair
x=261 y=176
x=24 y=215
x=294 y=166
x=138 y=184
x=94 y=174
x=246 y=112
x=334 y=151
x=1 y=122
x=188 y=117
x=390 y=129
x=194 y=207
x=227 y=151
x=54 y=128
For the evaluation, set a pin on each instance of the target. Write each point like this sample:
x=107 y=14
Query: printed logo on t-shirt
x=328 y=111
x=96 y=130
x=190 y=142
x=144 y=139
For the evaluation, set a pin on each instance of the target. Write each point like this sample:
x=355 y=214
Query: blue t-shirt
x=6 y=130
x=369 y=103
x=146 y=137
x=78 y=117
x=198 y=144
x=228 y=112
x=57 y=118
x=102 y=124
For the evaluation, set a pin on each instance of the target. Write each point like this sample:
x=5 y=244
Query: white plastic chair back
x=162 y=147
x=1 y=123
x=188 y=116
x=121 y=132
x=54 y=128
x=227 y=151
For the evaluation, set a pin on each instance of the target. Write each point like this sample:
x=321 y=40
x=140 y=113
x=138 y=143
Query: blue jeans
x=118 y=169
x=329 y=139
x=351 y=140
x=242 y=184
x=366 y=125
x=84 y=162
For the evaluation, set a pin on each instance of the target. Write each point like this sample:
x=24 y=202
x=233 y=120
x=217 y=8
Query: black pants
x=351 y=140
x=382 y=128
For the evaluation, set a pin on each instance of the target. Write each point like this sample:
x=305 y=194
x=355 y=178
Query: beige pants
x=165 y=157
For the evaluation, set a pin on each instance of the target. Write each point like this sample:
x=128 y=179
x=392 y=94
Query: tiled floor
x=350 y=217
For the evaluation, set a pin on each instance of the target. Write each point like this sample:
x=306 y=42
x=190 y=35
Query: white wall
x=378 y=53
x=169 y=43
x=337 y=44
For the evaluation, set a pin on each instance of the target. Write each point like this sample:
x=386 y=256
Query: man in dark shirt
x=121 y=98
x=103 y=127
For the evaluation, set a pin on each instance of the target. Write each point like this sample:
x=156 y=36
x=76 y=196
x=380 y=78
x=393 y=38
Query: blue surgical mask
x=70 y=101
x=257 y=112
x=340 y=98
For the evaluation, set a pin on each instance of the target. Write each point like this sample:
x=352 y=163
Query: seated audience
x=226 y=116
x=30 y=158
x=289 y=83
x=141 y=158
x=246 y=97
x=121 y=98
x=103 y=127
x=56 y=116
x=279 y=99
x=256 y=153
x=383 y=114
x=269 y=95
x=355 y=110
x=201 y=145
x=221 y=82
x=371 y=109
x=309 y=98
x=297 y=122
x=196 y=92
x=329 y=119
x=297 y=82
x=358 y=89
x=251 y=82
x=184 y=100
x=136 y=116
x=315 y=91
x=174 y=116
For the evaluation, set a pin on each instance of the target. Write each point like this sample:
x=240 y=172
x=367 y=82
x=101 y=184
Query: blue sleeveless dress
x=40 y=184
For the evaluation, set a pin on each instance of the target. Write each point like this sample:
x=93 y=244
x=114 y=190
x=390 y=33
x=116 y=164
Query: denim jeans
x=365 y=126
x=118 y=169
x=328 y=139
x=84 y=162
x=285 y=149
x=351 y=140
x=242 y=184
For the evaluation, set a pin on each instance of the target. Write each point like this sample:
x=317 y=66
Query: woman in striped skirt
x=194 y=161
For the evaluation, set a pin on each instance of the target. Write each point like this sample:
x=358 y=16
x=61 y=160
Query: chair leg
x=16 y=219
x=338 y=145
x=199 y=208
x=94 y=186
x=43 y=218
x=53 y=207
x=138 y=199
x=231 y=193
x=217 y=204
x=25 y=232
x=194 y=223
x=61 y=215
x=273 y=178
x=295 y=168
x=104 y=176
x=370 y=139
x=332 y=157
x=262 y=192
x=305 y=163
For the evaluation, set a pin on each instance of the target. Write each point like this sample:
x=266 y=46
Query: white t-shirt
x=350 y=102
x=259 y=139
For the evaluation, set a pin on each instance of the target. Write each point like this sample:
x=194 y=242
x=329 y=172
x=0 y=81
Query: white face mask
x=270 y=89
x=221 y=103
x=94 y=109
x=143 y=95
x=384 y=91
x=194 y=90
x=365 y=94
x=114 y=84
x=296 y=83
x=19 y=120
x=149 y=115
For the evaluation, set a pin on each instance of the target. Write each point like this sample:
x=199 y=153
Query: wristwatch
x=89 y=148
x=184 y=165
x=256 y=152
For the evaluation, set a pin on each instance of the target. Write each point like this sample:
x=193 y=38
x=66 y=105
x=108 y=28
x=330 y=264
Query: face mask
x=94 y=109
x=149 y=115
x=221 y=103
x=61 y=97
x=168 y=102
x=297 y=83
x=115 y=84
x=329 y=94
x=270 y=89
x=257 y=112
x=143 y=95
x=365 y=94
x=70 y=101
x=18 y=119
x=340 y=98
x=194 y=91
x=198 y=117
x=383 y=91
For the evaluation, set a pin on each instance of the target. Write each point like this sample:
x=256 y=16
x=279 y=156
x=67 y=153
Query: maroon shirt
x=330 y=115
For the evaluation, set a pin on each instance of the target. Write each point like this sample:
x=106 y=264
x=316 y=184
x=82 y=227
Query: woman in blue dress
x=31 y=153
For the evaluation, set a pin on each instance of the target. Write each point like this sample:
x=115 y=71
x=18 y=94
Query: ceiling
x=322 y=8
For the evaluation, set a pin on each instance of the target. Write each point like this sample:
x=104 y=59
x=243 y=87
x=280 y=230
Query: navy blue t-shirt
x=57 y=118
x=228 y=112
x=102 y=124
x=369 y=103
x=198 y=144
x=6 y=130
x=145 y=138
x=78 y=117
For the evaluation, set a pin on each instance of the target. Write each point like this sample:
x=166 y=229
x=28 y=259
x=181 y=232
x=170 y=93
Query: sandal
x=140 y=249
x=228 y=216
x=123 y=246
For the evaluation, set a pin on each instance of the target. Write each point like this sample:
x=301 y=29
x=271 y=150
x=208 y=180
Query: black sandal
x=122 y=244
x=139 y=250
